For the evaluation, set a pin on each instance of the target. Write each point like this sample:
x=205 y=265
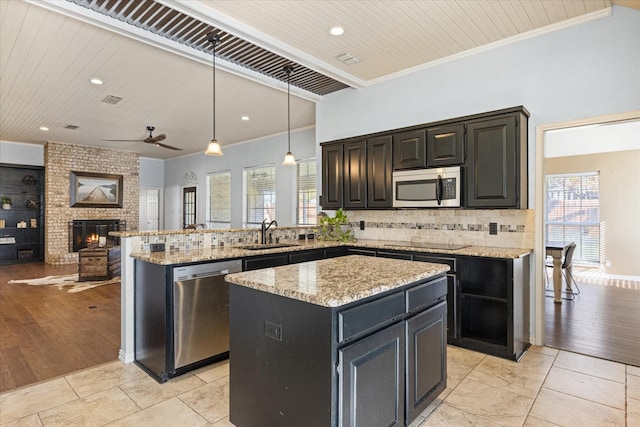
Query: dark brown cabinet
x=496 y=173
x=409 y=150
x=445 y=145
x=355 y=175
x=332 y=176
x=379 y=166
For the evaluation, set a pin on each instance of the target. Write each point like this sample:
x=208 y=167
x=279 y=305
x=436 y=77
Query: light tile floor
x=547 y=387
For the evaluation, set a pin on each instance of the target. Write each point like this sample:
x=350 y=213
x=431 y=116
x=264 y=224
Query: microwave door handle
x=439 y=190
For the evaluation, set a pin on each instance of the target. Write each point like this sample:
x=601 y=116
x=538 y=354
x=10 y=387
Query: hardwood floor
x=603 y=321
x=46 y=332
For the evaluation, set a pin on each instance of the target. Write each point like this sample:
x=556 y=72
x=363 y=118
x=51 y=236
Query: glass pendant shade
x=289 y=160
x=213 y=149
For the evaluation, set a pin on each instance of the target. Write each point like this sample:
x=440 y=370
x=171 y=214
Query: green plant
x=5 y=200
x=336 y=228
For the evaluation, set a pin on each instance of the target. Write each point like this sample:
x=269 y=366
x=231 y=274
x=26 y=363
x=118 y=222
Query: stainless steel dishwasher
x=201 y=311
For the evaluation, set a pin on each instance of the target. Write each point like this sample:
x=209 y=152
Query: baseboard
x=125 y=358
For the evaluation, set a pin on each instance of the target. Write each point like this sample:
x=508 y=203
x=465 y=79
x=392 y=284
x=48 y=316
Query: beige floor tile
x=30 y=400
x=508 y=375
x=172 y=412
x=447 y=415
x=532 y=421
x=146 y=391
x=633 y=412
x=222 y=423
x=94 y=410
x=587 y=387
x=210 y=401
x=104 y=377
x=537 y=361
x=489 y=402
x=566 y=410
x=591 y=366
x=463 y=356
x=213 y=372
x=633 y=387
x=28 y=421
x=633 y=370
x=456 y=372
x=543 y=350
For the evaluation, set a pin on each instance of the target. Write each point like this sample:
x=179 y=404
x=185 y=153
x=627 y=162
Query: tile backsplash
x=515 y=227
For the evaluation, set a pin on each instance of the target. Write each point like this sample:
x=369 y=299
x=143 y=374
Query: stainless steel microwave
x=427 y=188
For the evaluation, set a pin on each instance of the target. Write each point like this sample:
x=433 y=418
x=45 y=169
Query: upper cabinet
x=409 y=150
x=445 y=145
x=496 y=175
x=379 y=162
x=332 y=176
x=355 y=175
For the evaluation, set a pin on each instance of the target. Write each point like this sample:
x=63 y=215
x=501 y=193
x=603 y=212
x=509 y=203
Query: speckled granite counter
x=217 y=254
x=337 y=281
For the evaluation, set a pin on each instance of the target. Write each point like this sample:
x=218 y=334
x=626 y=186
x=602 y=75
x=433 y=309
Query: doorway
x=602 y=321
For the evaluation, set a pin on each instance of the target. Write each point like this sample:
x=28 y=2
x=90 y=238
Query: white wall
x=151 y=172
x=268 y=150
x=21 y=154
x=586 y=70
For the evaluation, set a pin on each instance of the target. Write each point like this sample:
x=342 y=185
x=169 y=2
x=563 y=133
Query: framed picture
x=95 y=190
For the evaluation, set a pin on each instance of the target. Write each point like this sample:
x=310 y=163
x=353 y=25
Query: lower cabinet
x=376 y=362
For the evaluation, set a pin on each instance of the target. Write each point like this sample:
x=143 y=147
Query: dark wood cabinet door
x=355 y=175
x=264 y=261
x=372 y=380
x=427 y=358
x=445 y=145
x=409 y=151
x=492 y=166
x=379 y=166
x=332 y=178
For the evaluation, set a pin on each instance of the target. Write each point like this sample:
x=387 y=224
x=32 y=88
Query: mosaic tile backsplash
x=515 y=230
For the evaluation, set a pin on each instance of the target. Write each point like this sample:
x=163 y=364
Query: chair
x=566 y=273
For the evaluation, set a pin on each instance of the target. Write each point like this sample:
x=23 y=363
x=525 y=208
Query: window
x=188 y=206
x=573 y=212
x=259 y=194
x=306 y=194
x=219 y=200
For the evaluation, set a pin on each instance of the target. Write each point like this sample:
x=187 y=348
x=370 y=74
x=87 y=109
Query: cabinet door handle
x=439 y=190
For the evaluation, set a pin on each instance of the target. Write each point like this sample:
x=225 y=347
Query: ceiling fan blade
x=164 y=145
x=160 y=137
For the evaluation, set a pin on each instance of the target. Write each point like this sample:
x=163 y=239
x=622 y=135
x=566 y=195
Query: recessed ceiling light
x=336 y=31
x=245 y=118
x=96 y=81
x=44 y=128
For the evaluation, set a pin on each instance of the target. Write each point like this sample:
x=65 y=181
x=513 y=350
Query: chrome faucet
x=264 y=229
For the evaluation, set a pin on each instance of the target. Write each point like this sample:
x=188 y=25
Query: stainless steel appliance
x=201 y=311
x=427 y=188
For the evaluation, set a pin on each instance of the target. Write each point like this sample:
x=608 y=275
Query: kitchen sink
x=261 y=247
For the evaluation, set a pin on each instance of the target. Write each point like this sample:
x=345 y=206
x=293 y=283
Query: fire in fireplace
x=86 y=233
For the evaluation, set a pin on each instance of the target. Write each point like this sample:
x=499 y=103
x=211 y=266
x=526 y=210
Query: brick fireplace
x=85 y=233
x=60 y=160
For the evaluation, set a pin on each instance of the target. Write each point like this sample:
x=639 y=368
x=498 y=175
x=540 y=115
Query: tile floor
x=547 y=387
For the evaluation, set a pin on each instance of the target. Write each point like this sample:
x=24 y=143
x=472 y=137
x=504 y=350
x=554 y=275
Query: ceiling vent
x=347 y=59
x=112 y=99
x=72 y=127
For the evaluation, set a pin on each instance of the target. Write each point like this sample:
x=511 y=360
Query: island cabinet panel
x=372 y=380
x=445 y=145
x=409 y=150
x=295 y=363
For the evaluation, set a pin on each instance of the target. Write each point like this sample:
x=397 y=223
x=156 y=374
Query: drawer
x=96 y=260
x=451 y=262
x=426 y=294
x=93 y=269
x=369 y=316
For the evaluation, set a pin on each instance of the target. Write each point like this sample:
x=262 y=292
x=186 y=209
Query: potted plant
x=337 y=228
x=6 y=202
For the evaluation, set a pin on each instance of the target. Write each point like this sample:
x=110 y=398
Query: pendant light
x=289 y=160
x=213 y=149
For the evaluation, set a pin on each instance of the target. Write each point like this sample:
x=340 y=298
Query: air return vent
x=112 y=99
x=72 y=127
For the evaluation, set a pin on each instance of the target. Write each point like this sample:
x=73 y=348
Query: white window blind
x=573 y=212
x=306 y=194
x=259 y=194
x=219 y=203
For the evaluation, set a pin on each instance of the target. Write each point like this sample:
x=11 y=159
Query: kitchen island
x=354 y=340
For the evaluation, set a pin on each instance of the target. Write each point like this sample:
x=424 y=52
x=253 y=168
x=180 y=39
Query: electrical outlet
x=607 y=263
x=493 y=228
x=156 y=247
x=361 y=225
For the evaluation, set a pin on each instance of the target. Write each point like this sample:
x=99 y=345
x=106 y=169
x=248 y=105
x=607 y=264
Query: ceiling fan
x=150 y=139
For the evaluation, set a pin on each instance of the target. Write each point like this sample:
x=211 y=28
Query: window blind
x=259 y=194
x=219 y=194
x=306 y=194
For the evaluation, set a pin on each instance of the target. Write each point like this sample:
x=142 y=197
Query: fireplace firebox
x=88 y=233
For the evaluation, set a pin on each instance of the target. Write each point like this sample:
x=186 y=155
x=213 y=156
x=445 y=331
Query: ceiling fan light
x=213 y=149
x=289 y=160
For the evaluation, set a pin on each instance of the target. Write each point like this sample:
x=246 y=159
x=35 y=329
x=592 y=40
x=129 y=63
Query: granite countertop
x=230 y=252
x=337 y=281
